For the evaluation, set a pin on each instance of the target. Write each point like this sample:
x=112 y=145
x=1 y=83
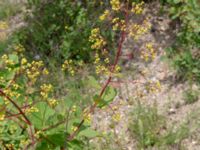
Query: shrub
x=60 y=29
x=32 y=114
x=150 y=130
x=191 y=96
x=185 y=51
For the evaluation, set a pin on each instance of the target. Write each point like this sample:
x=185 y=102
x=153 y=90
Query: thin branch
x=121 y=41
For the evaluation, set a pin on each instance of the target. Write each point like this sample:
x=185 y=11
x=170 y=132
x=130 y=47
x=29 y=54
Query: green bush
x=191 y=96
x=149 y=128
x=60 y=28
x=185 y=51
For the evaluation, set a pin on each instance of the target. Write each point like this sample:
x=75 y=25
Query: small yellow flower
x=3 y=25
x=116 y=117
x=38 y=134
x=53 y=102
x=23 y=61
x=137 y=8
x=74 y=128
x=45 y=71
x=107 y=61
x=2 y=117
x=45 y=90
x=104 y=15
x=117 y=68
x=4 y=57
x=115 y=5
x=32 y=109
x=87 y=118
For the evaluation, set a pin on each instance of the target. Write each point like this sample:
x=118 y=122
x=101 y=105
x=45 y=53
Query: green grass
x=190 y=96
x=149 y=129
x=145 y=125
x=8 y=9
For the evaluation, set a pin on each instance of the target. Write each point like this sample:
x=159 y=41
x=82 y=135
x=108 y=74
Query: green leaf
x=99 y=101
x=93 y=82
x=14 y=58
x=109 y=94
x=58 y=139
x=106 y=98
x=75 y=145
x=195 y=70
x=42 y=145
x=40 y=118
x=89 y=133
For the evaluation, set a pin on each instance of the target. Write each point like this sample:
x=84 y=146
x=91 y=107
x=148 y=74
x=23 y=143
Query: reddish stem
x=122 y=38
x=16 y=106
x=21 y=112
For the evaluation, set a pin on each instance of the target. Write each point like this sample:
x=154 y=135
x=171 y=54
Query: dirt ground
x=169 y=99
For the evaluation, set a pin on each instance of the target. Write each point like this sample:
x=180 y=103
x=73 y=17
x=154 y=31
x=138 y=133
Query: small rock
x=172 y=111
x=194 y=142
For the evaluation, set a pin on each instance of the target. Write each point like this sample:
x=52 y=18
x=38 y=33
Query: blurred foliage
x=60 y=28
x=186 y=50
x=150 y=130
x=191 y=96
x=53 y=114
x=7 y=9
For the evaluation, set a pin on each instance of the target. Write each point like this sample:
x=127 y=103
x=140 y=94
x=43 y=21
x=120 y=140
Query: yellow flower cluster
x=38 y=134
x=23 y=61
x=3 y=27
x=74 y=108
x=137 y=8
x=117 y=68
x=137 y=30
x=9 y=146
x=33 y=70
x=72 y=66
x=97 y=58
x=24 y=142
x=74 y=128
x=104 y=15
x=12 y=93
x=118 y=24
x=87 y=118
x=96 y=39
x=115 y=5
x=149 y=53
x=45 y=71
x=68 y=65
x=116 y=117
x=107 y=60
x=45 y=90
x=102 y=69
x=8 y=62
x=153 y=86
x=31 y=110
x=19 y=48
x=2 y=116
x=53 y=102
x=15 y=86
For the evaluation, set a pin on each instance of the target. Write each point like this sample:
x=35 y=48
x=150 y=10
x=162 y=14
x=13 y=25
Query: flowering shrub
x=32 y=115
x=60 y=29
